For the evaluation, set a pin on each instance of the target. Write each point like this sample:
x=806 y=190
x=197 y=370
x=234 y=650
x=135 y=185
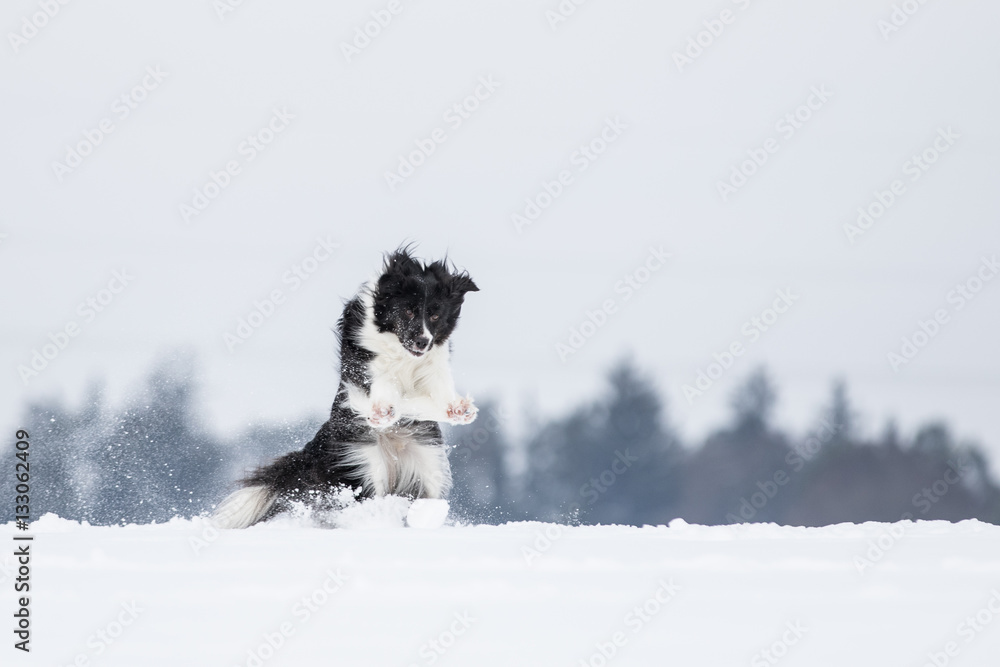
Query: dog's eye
x=409 y=313
x=434 y=318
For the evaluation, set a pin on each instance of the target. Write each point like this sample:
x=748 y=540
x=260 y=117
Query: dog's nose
x=423 y=342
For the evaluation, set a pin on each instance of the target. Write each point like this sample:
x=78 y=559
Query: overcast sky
x=190 y=160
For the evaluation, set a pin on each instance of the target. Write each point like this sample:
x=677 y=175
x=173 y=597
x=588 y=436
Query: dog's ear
x=460 y=283
x=389 y=284
x=398 y=272
x=400 y=263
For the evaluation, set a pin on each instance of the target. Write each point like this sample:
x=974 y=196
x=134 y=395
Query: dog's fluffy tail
x=245 y=507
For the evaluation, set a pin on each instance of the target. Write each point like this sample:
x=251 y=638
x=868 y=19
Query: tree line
x=615 y=459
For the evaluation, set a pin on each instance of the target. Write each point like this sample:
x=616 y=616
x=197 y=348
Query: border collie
x=383 y=435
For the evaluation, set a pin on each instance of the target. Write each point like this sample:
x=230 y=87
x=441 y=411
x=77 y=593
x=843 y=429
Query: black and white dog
x=383 y=435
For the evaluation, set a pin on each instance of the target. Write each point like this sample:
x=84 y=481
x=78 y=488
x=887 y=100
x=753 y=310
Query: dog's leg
x=458 y=410
x=381 y=407
x=384 y=404
x=435 y=398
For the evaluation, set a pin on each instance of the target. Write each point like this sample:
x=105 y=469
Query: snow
x=183 y=593
x=427 y=513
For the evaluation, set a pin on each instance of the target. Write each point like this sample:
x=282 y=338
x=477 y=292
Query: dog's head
x=419 y=303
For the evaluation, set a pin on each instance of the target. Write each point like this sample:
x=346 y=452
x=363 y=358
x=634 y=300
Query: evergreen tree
x=610 y=462
x=732 y=477
x=841 y=416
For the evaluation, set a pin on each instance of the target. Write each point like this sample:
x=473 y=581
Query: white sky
x=656 y=185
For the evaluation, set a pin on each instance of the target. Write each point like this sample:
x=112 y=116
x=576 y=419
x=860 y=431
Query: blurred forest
x=614 y=460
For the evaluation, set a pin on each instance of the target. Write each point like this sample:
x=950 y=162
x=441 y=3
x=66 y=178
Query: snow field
x=286 y=593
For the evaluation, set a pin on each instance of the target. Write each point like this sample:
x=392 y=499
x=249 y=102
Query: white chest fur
x=413 y=387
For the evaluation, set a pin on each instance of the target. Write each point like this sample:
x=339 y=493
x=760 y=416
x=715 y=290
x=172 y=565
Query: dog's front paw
x=462 y=411
x=382 y=415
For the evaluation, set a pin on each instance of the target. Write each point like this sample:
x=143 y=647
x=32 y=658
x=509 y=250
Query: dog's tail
x=258 y=499
x=245 y=507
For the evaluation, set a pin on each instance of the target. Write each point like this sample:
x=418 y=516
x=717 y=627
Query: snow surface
x=517 y=594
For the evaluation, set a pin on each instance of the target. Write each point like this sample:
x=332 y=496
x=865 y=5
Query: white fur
x=395 y=464
x=243 y=508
